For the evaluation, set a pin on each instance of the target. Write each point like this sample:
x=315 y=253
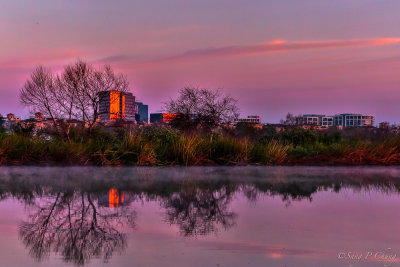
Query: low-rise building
x=168 y=117
x=39 y=116
x=310 y=119
x=143 y=113
x=338 y=120
x=250 y=119
x=10 y=121
x=163 y=117
x=10 y=117
x=327 y=121
x=351 y=119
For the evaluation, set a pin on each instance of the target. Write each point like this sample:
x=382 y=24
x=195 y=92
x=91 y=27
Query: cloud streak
x=273 y=47
x=277 y=46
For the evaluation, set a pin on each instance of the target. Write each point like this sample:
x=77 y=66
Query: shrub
x=165 y=146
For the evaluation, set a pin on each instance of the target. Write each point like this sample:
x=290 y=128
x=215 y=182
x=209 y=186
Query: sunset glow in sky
x=275 y=56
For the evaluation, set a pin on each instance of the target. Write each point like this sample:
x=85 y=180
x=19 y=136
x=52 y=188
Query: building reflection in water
x=114 y=199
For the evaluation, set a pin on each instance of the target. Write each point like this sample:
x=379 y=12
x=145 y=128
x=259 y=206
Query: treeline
x=164 y=145
x=202 y=134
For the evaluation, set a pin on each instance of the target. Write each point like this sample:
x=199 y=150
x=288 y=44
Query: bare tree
x=74 y=81
x=73 y=94
x=207 y=108
x=67 y=98
x=39 y=93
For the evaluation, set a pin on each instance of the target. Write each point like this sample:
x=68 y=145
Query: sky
x=275 y=56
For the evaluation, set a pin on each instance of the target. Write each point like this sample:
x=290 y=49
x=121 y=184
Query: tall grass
x=275 y=153
x=228 y=150
x=189 y=150
x=164 y=146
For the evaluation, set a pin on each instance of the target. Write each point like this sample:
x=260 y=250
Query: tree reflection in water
x=200 y=212
x=73 y=225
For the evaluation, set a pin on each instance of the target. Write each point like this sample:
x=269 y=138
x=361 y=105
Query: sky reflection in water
x=201 y=216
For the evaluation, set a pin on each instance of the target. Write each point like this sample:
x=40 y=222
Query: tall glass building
x=117 y=105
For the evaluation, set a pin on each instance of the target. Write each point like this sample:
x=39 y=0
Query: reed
x=165 y=146
x=188 y=150
x=275 y=153
x=228 y=150
x=147 y=156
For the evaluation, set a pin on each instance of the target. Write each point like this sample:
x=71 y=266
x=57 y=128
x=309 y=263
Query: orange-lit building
x=163 y=117
x=168 y=117
x=117 y=105
x=11 y=117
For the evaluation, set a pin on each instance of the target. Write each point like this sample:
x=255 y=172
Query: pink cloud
x=272 y=47
x=45 y=58
x=277 y=46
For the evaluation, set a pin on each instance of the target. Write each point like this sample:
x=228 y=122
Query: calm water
x=217 y=216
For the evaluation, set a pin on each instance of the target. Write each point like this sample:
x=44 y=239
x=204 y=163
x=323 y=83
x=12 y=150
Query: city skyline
x=275 y=57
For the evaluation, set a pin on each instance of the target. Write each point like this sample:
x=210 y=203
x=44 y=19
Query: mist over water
x=197 y=216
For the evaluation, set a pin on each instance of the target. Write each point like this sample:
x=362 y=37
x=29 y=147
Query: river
x=199 y=216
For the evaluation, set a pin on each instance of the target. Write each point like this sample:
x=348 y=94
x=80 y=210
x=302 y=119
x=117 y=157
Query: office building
x=163 y=117
x=156 y=117
x=143 y=113
x=117 y=105
x=327 y=121
x=310 y=119
x=349 y=119
x=340 y=120
x=250 y=119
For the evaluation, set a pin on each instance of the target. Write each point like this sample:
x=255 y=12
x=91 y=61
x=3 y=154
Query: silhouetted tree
x=73 y=94
x=203 y=107
x=39 y=94
x=292 y=120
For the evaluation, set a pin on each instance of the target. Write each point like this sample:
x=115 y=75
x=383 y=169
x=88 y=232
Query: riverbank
x=165 y=147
